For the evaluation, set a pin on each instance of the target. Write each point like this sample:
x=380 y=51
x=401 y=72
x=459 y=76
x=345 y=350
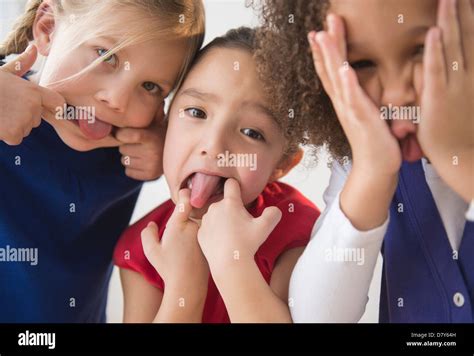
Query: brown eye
x=363 y=64
x=196 y=113
x=253 y=134
x=419 y=51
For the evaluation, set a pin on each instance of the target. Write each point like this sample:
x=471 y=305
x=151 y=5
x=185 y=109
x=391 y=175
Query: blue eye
x=197 y=113
x=111 y=59
x=152 y=87
x=253 y=134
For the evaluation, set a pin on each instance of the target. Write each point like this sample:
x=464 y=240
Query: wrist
x=365 y=199
x=230 y=268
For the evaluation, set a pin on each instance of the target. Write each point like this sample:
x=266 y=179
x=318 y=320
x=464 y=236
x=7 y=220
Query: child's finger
x=51 y=100
x=130 y=161
x=332 y=59
x=130 y=135
x=449 y=24
x=355 y=99
x=138 y=174
x=269 y=219
x=337 y=31
x=434 y=64
x=23 y=63
x=319 y=65
x=466 y=19
x=232 y=190
x=183 y=207
x=150 y=241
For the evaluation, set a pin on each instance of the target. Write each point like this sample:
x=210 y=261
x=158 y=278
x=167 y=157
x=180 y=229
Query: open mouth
x=91 y=126
x=410 y=147
x=204 y=188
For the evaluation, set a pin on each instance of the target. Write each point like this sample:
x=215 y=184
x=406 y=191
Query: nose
x=398 y=87
x=214 y=142
x=116 y=96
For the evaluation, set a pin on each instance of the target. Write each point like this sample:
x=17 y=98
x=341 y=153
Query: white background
x=309 y=178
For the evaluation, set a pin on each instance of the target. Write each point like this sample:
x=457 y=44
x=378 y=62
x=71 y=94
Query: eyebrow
x=200 y=95
x=260 y=107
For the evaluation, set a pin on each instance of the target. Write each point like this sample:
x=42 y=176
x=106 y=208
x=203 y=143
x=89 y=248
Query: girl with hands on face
x=406 y=179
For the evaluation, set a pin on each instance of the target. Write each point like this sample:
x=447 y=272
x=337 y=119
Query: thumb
x=23 y=63
x=150 y=240
x=183 y=207
x=270 y=218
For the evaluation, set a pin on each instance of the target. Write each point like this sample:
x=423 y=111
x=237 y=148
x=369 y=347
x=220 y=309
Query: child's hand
x=229 y=234
x=376 y=154
x=446 y=130
x=177 y=257
x=22 y=102
x=142 y=149
x=375 y=151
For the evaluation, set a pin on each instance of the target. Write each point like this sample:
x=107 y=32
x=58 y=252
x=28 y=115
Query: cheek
x=175 y=152
x=418 y=80
x=371 y=85
x=142 y=113
x=254 y=181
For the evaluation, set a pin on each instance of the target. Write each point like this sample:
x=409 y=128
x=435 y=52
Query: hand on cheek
x=375 y=150
x=229 y=235
x=446 y=129
x=142 y=150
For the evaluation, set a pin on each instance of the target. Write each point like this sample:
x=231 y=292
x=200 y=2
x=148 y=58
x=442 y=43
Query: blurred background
x=310 y=178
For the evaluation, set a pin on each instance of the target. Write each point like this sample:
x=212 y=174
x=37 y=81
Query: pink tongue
x=203 y=187
x=411 y=150
x=96 y=130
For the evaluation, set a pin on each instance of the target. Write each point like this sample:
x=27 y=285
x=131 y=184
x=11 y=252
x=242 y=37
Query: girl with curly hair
x=393 y=103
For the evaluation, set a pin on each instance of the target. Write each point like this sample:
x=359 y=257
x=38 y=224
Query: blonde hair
x=177 y=19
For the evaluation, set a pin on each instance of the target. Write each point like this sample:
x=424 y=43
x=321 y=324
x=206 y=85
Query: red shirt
x=294 y=230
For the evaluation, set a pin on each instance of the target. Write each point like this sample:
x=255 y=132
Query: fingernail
x=29 y=48
x=311 y=38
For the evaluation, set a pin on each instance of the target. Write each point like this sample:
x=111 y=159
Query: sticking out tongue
x=411 y=150
x=203 y=186
x=95 y=130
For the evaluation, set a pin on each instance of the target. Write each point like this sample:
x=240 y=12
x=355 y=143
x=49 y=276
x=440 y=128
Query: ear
x=287 y=164
x=43 y=27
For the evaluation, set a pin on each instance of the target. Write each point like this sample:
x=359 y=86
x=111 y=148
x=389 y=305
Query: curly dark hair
x=285 y=65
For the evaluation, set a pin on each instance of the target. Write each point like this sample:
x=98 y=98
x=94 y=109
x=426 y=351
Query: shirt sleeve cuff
x=470 y=212
x=349 y=233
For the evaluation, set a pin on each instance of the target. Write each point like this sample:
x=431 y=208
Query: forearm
x=326 y=289
x=183 y=304
x=365 y=199
x=248 y=297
